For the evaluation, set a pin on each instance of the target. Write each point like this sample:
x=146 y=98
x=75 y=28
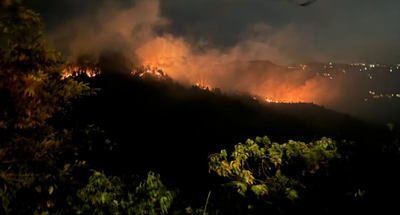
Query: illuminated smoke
x=140 y=34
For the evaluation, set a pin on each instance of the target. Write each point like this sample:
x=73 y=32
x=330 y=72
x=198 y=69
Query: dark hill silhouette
x=162 y=126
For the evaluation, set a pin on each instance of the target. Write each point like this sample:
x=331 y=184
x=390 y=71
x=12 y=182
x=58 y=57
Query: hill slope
x=164 y=127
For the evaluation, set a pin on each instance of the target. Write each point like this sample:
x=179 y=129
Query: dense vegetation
x=55 y=159
x=42 y=157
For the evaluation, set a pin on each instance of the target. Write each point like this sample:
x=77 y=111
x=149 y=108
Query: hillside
x=165 y=127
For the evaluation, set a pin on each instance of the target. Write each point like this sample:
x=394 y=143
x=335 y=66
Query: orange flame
x=148 y=70
x=73 y=71
x=268 y=100
x=203 y=86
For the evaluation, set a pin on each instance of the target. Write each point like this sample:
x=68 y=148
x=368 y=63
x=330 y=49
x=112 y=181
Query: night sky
x=328 y=30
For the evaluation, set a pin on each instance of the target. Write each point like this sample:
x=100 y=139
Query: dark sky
x=328 y=30
x=207 y=41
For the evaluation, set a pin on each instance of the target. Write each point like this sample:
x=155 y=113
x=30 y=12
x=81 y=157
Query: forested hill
x=162 y=126
x=54 y=158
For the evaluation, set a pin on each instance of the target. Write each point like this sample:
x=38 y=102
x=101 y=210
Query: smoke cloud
x=136 y=33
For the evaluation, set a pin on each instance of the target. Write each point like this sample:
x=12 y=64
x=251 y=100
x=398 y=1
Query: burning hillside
x=139 y=34
x=153 y=71
x=72 y=70
x=284 y=101
x=128 y=36
x=289 y=95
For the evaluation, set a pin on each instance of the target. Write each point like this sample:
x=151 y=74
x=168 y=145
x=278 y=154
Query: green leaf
x=38 y=189
x=51 y=189
x=293 y=195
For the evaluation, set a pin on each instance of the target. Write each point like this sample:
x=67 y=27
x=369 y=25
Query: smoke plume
x=120 y=37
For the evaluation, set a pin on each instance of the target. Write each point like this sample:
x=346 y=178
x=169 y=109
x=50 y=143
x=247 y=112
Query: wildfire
x=148 y=70
x=72 y=71
x=202 y=86
x=271 y=101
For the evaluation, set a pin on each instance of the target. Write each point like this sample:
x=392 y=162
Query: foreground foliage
x=274 y=172
x=110 y=195
x=43 y=168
